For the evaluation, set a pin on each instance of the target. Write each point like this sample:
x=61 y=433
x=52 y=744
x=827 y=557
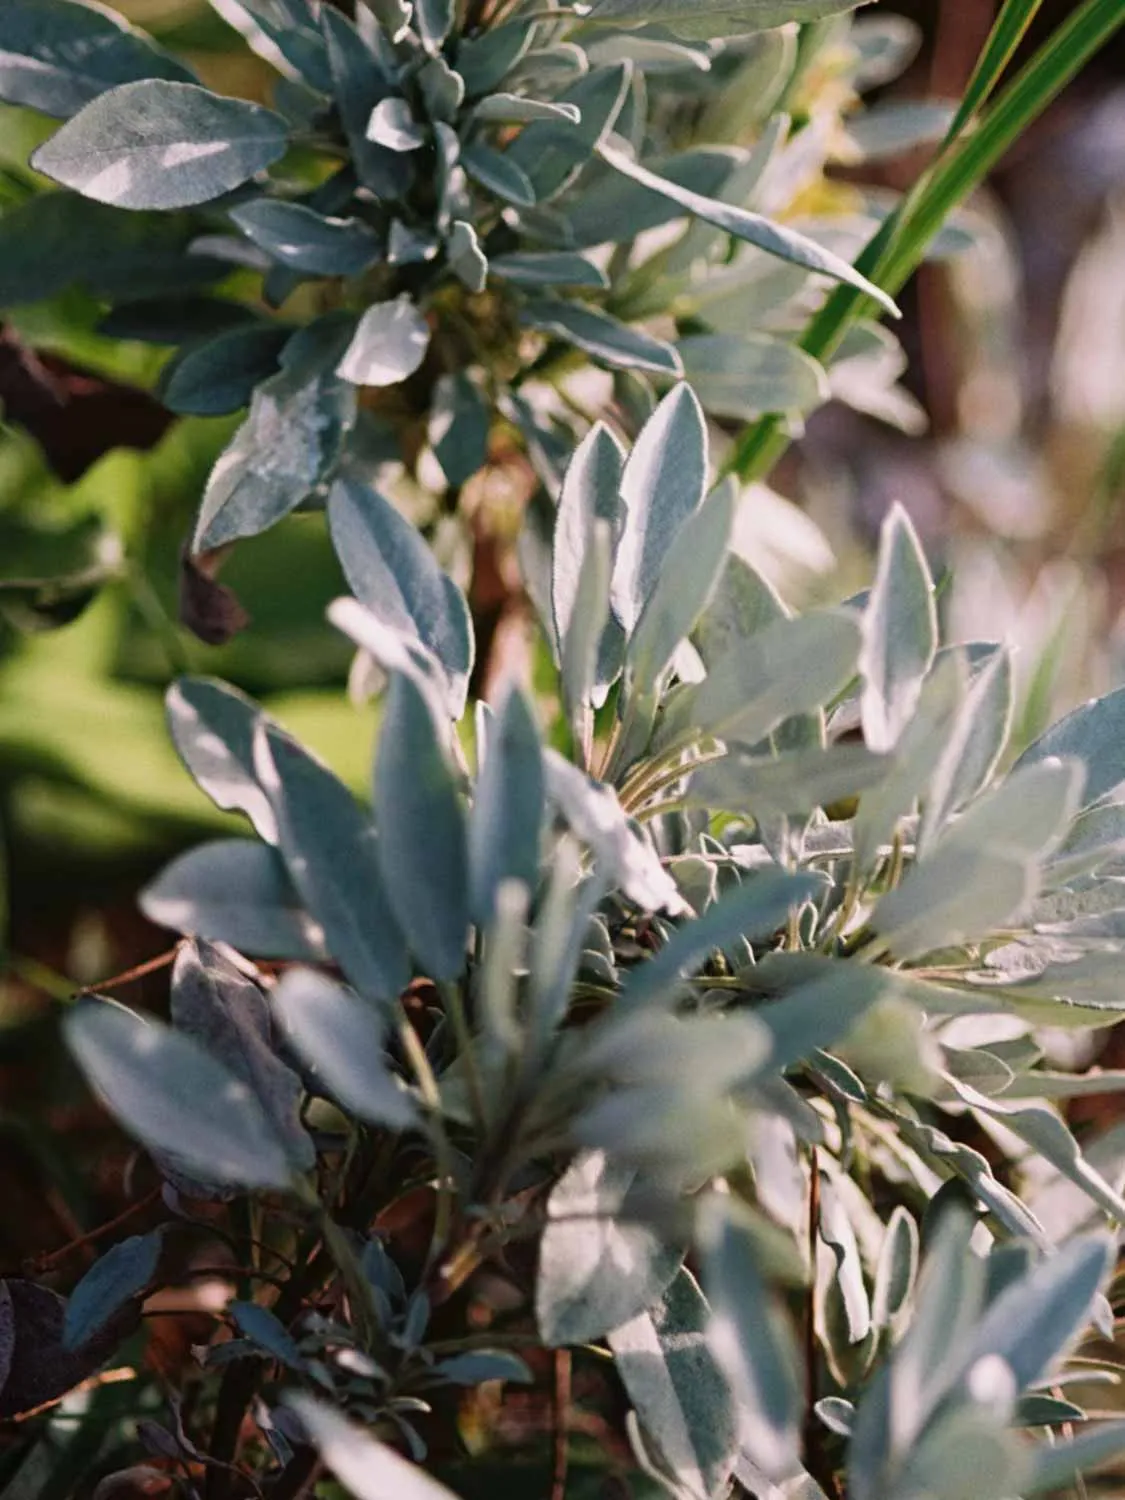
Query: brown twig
x=128 y=976
x=563 y=1372
x=46 y=1262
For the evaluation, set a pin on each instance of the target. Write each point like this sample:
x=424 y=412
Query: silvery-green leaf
x=606 y=340
x=392 y=124
x=550 y=153
x=389 y=344
x=423 y=850
x=460 y=421
x=330 y=849
x=216 y=1005
x=590 y=492
x=297 y=236
x=916 y=759
x=843 y=1306
x=612 y=209
x=663 y=483
x=678 y=1390
x=743 y=375
x=621 y=851
x=774 y=239
x=367 y=1468
x=433 y=20
x=581 y=647
x=393 y=573
x=753 y=910
x=897 y=1269
x=407 y=247
x=792 y=783
x=442 y=88
x=290 y=440
x=681 y=594
x=967 y=1455
x=751 y=1341
x=341 y=1039
x=887 y=45
x=515 y=109
x=234 y=891
x=957 y=896
x=1057 y=1465
x=822 y=1003
x=599 y=1265
x=786 y=669
x=467 y=260
x=393 y=16
x=973 y=748
x=217 y=376
x=266 y=1330
x=58 y=55
x=115 y=1279
x=495 y=171
x=285 y=33
x=395 y=650
x=1095 y=734
x=707 y=19
x=507 y=815
x=899 y=634
x=212 y=726
x=484 y=61
x=548 y=268
x=742 y=604
x=159 y=144
x=650 y=51
x=359 y=83
x=175 y=1098
x=892 y=128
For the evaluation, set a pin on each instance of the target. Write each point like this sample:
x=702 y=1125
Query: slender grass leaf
x=367 y=1468
x=395 y=575
x=342 y=1039
x=234 y=891
x=600 y=1265
x=331 y=852
x=158 y=144
x=774 y=239
x=175 y=1098
x=899 y=634
x=423 y=849
x=606 y=340
x=115 y=1279
x=58 y=55
x=678 y=1390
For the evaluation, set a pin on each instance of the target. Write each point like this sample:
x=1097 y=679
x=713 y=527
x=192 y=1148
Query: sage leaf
x=507 y=814
x=389 y=344
x=160 y=144
x=116 y=1278
x=212 y=726
x=899 y=634
x=1095 y=735
x=605 y=339
x=295 y=235
x=367 y=1468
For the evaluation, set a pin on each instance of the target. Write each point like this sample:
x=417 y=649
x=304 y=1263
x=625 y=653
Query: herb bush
x=678 y=1039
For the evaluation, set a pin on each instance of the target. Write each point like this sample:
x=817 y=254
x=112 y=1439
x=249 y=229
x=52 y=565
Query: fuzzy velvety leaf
x=216 y=376
x=548 y=268
x=549 y=152
x=974 y=746
x=214 y=1003
x=423 y=848
x=266 y=1330
x=341 y=1038
x=507 y=815
x=57 y=55
x=611 y=209
x=897 y=1269
x=495 y=171
x=482 y=1365
x=599 y=1265
x=680 y=1394
x=796 y=782
x=234 y=891
x=388 y=345
x=460 y=421
x=774 y=239
x=1057 y=1465
x=212 y=726
x=291 y=438
x=467 y=260
x=434 y=21
x=295 y=235
x=393 y=572
x=285 y=33
x=330 y=849
x=663 y=483
x=359 y=84
x=707 y=19
x=899 y=634
x=751 y=1341
x=1095 y=735
x=606 y=340
x=392 y=124
x=742 y=375
x=211 y=610
x=590 y=492
x=173 y=1096
x=162 y=145
x=484 y=61
x=516 y=109
x=114 y=1280
x=590 y=649
x=35 y=1365
x=367 y=1468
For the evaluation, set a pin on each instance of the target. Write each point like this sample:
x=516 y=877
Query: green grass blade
x=1008 y=32
x=899 y=247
